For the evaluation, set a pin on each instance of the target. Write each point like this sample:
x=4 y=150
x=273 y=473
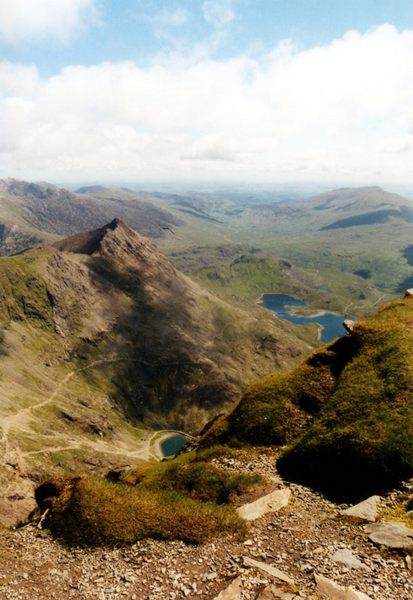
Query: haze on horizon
x=207 y=90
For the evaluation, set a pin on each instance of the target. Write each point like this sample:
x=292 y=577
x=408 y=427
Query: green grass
x=92 y=511
x=402 y=511
x=191 y=476
x=23 y=294
x=346 y=412
x=248 y=276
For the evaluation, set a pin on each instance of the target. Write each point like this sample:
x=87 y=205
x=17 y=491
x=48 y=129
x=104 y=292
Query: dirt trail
x=13 y=457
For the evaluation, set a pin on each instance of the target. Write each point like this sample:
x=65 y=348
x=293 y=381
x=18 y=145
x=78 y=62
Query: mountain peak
x=115 y=223
x=90 y=242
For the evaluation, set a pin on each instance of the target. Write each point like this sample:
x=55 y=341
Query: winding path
x=14 y=458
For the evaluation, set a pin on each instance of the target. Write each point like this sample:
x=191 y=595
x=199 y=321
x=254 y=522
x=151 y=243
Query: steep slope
x=100 y=332
x=37 y=212
x=346 y=413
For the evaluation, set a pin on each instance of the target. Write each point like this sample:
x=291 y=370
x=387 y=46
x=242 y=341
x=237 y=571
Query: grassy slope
x=332 y=257
x=346 y=412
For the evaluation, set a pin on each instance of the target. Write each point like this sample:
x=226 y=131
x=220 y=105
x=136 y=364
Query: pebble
x=301 y=539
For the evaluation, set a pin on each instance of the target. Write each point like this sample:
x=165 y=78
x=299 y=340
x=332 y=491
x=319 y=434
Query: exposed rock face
x=392 y=535
x=348 y=325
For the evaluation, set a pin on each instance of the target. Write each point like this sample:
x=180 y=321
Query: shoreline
x=164 y=435
x=295 y=311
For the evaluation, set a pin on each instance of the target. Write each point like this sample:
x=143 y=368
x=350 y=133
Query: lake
x=281 y=304
x=172 y=444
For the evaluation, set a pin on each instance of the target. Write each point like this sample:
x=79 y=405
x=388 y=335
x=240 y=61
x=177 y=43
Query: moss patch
x=192 y=478
x=402 y=512
x=93 y=511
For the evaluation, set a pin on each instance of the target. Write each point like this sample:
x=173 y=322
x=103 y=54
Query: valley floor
x=300 y=540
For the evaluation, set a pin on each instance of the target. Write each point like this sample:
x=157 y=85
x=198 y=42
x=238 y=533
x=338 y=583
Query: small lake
x=172 y=444
x=331 y=323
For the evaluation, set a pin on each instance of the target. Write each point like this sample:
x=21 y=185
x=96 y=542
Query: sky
x=207 y=90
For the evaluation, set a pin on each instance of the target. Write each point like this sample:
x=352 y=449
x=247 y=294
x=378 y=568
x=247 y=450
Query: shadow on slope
x=346 y=413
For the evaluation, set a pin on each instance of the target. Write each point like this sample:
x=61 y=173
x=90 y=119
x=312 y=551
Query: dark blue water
x=331 y=323
x=171 y=445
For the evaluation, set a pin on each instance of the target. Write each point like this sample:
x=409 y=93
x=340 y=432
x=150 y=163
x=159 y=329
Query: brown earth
x=299 y=540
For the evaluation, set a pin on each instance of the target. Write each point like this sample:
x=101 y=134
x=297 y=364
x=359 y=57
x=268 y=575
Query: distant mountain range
x=31 y=213
x=355 y=206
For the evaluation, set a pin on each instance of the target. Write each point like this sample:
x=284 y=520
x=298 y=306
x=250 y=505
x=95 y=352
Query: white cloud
x=218 y=13
x=342 y=111
x=28 y=20
x=165 y=22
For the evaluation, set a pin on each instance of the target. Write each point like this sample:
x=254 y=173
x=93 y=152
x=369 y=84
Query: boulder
x=232 y=592
x=348 y=325
x=266 y=504
x=268 y=569
x=350 y=560
x=408 y=293
x=363 y=511
x=329 y=589
x=391 y=534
